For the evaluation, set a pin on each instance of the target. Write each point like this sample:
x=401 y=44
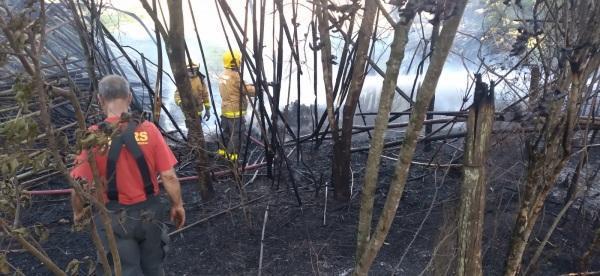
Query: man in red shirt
x=128 y=171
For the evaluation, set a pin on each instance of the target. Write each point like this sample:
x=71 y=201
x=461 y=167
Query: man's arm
x=173 y=189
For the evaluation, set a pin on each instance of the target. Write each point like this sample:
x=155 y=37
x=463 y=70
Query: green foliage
x=4 y=267
x=498 y=21
x=23 y=88
x=23 y=24
x=40 y=161
x=94 y=139
x=41 y=232
x=22 y=232
x=19 y=130
x=3 y=54
x=10 y=165
x=74 y=266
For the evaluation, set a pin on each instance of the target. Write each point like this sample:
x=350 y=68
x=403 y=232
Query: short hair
x=113 y=87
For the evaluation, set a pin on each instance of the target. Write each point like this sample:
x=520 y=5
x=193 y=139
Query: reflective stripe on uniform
x=232 y=157
x=228 y=156
x=233 y=114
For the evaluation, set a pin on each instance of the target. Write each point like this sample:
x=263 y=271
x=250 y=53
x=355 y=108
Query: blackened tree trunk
x=341 y=164
x=472 y=203
x=175 y=45
x=325 y=46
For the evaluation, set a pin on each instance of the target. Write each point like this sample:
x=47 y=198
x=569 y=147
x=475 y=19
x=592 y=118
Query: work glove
x=207 y=115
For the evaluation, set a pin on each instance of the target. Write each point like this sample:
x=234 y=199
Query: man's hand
x=173 y=189
x=207 y=115
x=178 y=215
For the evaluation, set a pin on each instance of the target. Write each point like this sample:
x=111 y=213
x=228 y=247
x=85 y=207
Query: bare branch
x=386 y=14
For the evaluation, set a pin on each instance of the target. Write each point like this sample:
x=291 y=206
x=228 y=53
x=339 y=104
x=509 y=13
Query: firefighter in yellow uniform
x=233 y=104
x=199 y=91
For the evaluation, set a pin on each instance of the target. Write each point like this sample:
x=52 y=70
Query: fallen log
x=426 y=122
x=444 y=137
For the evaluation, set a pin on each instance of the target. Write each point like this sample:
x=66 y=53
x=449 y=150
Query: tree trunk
x=175 y=44
x=429 y=127
x=159 y=74
x=549 y=152
x=426 y=91
x=534 y=85
x=381 y=123
x=325 y=45
x=341 y=166
x=594 y=247
x=530 y=207
x=472 y=205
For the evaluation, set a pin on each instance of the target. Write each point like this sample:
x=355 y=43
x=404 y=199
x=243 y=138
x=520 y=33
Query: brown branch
x=14 y=45
x=106 y=220
x=386 y=14
x=215 y=215
x=68 y=94
x=44 y=259
x=154 y=16
x=101 y=251
x=377 y=143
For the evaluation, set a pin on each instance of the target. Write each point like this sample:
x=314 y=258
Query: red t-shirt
x=130 y=185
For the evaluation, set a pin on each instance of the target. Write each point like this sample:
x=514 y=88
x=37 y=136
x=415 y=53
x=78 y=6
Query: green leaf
x=13 y=165
x=73 y=267
x=5 y=170
x=21 y=232
x=4 y=267
x=41 y=232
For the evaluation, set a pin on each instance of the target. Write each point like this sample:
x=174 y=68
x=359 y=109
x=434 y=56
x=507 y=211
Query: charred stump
x=472 y=204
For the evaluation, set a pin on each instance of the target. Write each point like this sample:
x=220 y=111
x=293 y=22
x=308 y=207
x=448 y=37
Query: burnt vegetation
x=504 y=183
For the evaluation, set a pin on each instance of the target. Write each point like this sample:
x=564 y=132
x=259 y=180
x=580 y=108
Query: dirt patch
x=298 y=242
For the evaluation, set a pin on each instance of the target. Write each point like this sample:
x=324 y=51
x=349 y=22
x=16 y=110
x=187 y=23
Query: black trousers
x=142 y=239
x=231 y=132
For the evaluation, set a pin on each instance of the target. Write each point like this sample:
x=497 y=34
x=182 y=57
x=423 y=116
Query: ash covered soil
x=300 y=241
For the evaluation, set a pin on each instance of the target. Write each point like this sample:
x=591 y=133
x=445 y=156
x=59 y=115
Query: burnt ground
x=298 y=243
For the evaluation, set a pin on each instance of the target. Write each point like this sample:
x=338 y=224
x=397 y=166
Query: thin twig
x=215 y=215
x=262 y=242
x=325 y=208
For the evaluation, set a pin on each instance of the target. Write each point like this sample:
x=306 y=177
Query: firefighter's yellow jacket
x=199 y=92
x=229 y=87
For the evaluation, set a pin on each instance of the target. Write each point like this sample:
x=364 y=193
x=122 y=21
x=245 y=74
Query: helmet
x=232 y=59
x=193 y=69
